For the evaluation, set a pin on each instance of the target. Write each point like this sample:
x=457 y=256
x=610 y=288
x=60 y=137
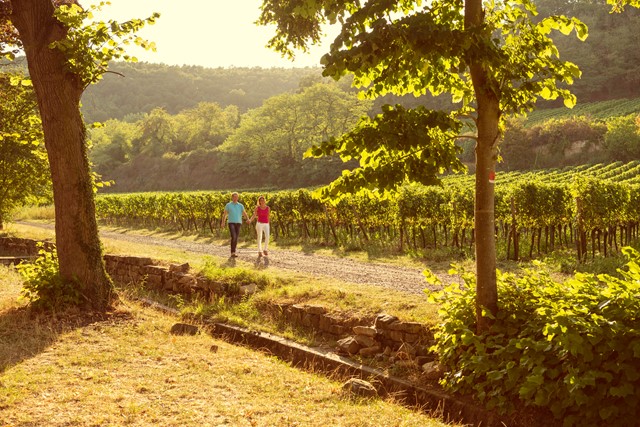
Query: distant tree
x=206 y=126
x=24 y=170
x=269 y=145
x=157 y=133
x=65 y=55
x=177 y=88
x=622 y=140
x=112 y=144
x=491 y=57
x=609 y=58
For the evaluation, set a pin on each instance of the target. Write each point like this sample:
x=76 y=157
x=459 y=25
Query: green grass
x=123 y=368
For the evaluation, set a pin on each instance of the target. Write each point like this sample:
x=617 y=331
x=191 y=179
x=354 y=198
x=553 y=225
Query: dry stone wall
x=364 y=336
x=15 y=246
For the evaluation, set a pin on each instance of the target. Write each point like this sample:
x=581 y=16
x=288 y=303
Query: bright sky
x=210 y=33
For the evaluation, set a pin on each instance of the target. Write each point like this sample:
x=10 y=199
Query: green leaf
x=546 y=93
x=570 y=101
x=623 y=390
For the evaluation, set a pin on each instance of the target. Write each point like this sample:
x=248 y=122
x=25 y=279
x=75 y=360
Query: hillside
x=598 y=110
x=138 y=88
x=609 y=61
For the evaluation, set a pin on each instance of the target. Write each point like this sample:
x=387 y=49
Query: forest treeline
x=215 y=148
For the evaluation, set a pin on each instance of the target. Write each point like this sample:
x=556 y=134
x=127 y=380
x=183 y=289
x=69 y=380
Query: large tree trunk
x=58 y=93
x=486 y=150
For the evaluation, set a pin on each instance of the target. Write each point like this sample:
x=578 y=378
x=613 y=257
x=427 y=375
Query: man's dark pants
x=234 y=230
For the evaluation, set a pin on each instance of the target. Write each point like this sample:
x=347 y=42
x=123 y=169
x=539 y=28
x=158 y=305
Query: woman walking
x=262 y=212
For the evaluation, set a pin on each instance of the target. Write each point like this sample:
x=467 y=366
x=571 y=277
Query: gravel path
x=404 y=279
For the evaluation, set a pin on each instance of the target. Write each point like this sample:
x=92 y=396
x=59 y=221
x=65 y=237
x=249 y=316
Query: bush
x=43 y=286
x=571 y=347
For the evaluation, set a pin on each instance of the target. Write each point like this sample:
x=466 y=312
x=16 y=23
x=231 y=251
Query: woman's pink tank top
x=263 y=215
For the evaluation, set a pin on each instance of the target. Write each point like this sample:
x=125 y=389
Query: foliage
x=492 y=58
x=24 y=174
x=210 y=146
x=622 y=139
x=269 y=144
x=608 y=58
x=123 y=150
x=599 y=110
x=560 y=141
x=65 y=55
x=396 y=144
x=572 y=347
x=90 y=47
x=43 y=286
x=177 y=88
x=402 y=48
x=619 y=5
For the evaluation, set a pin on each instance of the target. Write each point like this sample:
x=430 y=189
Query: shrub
x=571 y=347
x=43 y=286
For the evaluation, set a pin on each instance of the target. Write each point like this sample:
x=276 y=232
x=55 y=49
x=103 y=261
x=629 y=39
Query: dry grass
x=125 y=369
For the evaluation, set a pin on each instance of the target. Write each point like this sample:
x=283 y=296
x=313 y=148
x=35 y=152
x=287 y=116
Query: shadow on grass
x=25 y=334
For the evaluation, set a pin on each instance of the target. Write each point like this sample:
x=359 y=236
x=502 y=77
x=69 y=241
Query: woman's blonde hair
x=260 y=198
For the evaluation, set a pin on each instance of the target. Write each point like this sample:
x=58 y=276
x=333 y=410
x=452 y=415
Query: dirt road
x=399 y=278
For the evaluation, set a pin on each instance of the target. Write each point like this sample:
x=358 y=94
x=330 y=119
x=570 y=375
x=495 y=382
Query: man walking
x=234 y=211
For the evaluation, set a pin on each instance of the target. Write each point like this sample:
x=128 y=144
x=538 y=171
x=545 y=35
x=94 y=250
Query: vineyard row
x=598 y=204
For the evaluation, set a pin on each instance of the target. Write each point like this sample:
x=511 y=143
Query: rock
x=184 y=329
x=365 y=330
x=413 y=327
x=349 y=345
x=358 y=387
x=405 y=352
x=248 y=289
x=369 y=351
x=316 y=309
x=422 y=360
x=384 y=319
x=365 y=341
x=179 y=268
x=433 y=370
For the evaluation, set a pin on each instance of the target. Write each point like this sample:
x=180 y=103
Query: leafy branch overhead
x=90 y=47
x=418 y=143
x=412 y=47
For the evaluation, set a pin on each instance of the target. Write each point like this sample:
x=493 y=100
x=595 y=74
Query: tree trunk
x=58 y=93
x=488 y=119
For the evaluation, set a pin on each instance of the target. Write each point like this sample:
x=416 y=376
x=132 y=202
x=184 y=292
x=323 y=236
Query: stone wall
x=374 y=334
x=382 y=331
x=15 y=246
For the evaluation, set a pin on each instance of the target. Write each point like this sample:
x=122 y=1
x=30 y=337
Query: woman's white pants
x=262 y=227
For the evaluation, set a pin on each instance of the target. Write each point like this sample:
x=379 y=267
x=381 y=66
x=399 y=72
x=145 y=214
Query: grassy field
x=123 y=368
